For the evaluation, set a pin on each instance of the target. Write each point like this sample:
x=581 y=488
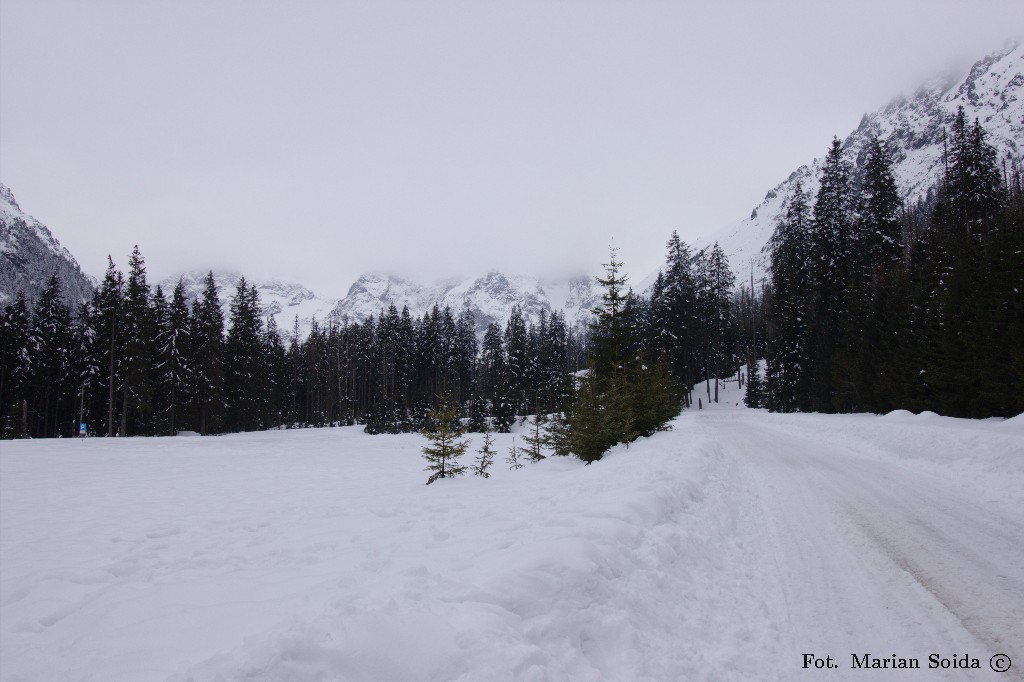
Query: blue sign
x=81 y=429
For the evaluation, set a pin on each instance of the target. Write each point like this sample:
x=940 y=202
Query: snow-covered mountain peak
x=7 y=197
x=913 y=128
x=29 y=254
x=489 y=296
x=282 y=299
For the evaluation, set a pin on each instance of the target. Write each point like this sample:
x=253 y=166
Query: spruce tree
x=15 y=365
x=445 y=448
x=516 y=361
x=788 y=354
x=49 y=345
x=878 y=234
x=244 y=373
x=513 y=458
x=536 y=438
x=137 y=361
x=208 y=357
x=558 y=434
x=754 y=396
x=831 y=261
x=275 y=368
x=174 y=353
x=485 y=455
x=109 y=305
x=88 y=364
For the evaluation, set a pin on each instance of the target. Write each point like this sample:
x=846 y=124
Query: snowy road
x=877 y=557
x=726 y=549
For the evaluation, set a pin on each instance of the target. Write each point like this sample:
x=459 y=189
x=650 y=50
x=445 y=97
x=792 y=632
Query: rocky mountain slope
x=490 y=297
x=29 y=254
x=286 y=301
x=913 y=128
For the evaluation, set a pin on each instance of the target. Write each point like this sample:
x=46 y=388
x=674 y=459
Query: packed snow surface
x=722 y=550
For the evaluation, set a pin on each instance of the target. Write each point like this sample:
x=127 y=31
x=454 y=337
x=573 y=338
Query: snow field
x=721 y=550
x=321 y=555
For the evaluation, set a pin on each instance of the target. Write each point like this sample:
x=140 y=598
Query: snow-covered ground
x=722 y=550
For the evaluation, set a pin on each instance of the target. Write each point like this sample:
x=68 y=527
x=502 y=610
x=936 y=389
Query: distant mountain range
x=490 y=297
x=912 y=127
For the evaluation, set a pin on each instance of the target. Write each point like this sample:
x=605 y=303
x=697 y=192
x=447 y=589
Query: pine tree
x=536 y=438
x=673 y=312
x=787 y=302
x=275 y=368
x=559 y=434
x=876 y=240
x=494 y=379
x=715 y=302
x=512 y=459
x=88 y=362
x=754 y=396
x=174 y=353
x=137 y=360
x=655 y=398
x=972 y=192
x=516 y=361
x=244 y=373
x=612 y=332
x=109 y=306
x=50 y=360
x=878 y=234
x=620 y=398
x=15 y=365
x=445 y=448
x=208 y=357
x=485 y=455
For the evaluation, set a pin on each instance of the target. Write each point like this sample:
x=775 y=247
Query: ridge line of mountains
x=912 y=128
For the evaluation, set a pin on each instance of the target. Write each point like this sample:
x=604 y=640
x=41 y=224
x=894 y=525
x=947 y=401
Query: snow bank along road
x=726 y=549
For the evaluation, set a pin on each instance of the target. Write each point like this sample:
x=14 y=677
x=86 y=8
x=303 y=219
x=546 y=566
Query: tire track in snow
x=876 y=557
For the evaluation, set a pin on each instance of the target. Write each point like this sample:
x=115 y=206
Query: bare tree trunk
x=707 y=376
x=81 y=409
x=123 y=428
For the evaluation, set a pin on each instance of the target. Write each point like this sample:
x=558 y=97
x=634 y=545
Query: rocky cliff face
x=913 y=129
x=29 y=254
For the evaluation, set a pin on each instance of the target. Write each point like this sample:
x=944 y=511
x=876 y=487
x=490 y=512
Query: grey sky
x=318 y=140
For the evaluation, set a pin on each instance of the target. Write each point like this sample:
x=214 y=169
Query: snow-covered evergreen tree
x=174 y=354
x=137 y=349
x=207 y=359
x=244 y=371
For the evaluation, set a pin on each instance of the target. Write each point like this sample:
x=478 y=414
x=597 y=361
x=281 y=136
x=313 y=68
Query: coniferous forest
x=872 y=305
x=141 y=361
x=869 y=305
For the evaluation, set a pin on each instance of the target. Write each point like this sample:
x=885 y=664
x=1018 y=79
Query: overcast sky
x=318 y=140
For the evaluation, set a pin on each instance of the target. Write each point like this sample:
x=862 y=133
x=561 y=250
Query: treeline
x=134 y=361
x=873 y=306
x=137 y=361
